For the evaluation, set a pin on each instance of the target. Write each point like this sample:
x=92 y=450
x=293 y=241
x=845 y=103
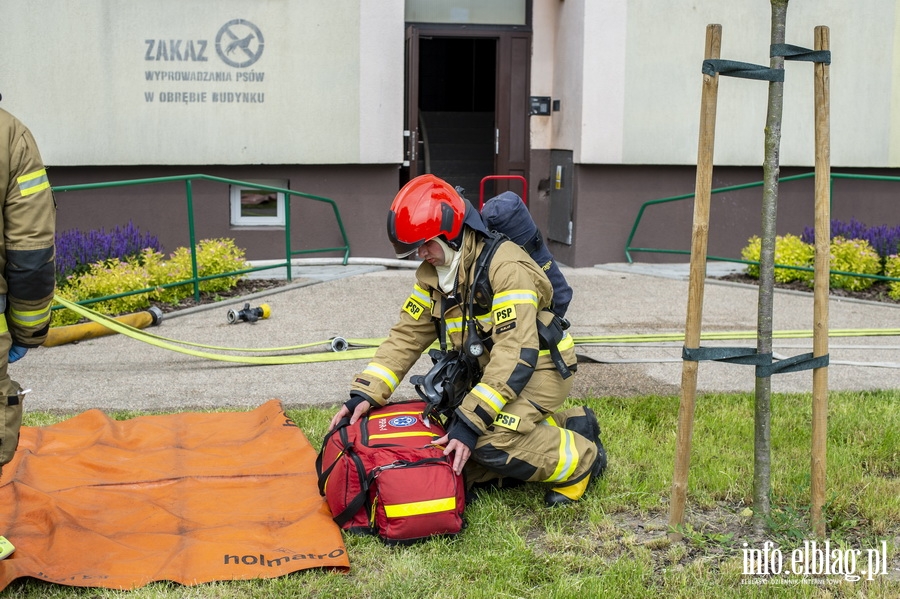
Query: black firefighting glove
x=461 y=432
x=357 y=398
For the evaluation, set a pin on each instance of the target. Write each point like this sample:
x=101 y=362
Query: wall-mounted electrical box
x=562 y=196
x=540 y=105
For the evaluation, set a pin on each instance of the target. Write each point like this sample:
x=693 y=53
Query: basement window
x=256 y=206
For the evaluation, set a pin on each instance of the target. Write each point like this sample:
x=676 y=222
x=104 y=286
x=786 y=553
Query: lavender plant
x=76 y=250
x=884 y=240
x=151 y=269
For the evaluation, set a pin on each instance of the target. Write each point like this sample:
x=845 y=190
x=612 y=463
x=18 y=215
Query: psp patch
x=508 y=421
x=505 y=314
x=413 y=308
x=402 y=421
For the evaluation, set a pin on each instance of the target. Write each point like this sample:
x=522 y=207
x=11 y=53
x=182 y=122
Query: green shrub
x=892 y=269
x=752 y=252
x=161 y=271
x=853 y=255
x=151 y=269
x=790 y=250
x=214 y=256
x=101 y=279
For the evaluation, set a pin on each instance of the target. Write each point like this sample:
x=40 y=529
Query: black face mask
x=445 y=386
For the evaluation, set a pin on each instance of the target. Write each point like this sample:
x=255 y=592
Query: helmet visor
x=405 y=249
x=401 y=248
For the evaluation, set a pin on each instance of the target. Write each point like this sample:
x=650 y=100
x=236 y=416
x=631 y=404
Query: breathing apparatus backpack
x=507 y=214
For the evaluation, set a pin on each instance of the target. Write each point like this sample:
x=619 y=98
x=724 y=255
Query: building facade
x=587 y=108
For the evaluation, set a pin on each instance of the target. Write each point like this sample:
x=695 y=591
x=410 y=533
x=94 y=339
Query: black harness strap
x=481 y=283
x=549 y=337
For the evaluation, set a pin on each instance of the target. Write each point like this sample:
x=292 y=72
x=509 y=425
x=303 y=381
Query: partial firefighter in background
x=27 y=270
x=505 y=363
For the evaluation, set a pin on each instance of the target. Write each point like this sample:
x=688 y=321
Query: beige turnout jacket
x=28 y=225
x=521 y=294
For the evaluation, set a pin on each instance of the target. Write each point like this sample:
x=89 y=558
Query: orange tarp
x=191 y=498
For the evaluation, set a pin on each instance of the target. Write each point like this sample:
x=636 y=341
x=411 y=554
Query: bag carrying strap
x=359 y=499
x=341 y=430
x=346 y=450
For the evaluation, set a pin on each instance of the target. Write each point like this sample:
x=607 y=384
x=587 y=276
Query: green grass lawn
x=614 y=543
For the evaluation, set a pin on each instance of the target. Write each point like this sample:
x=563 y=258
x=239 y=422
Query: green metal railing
x=195 y=279
x=629 y=248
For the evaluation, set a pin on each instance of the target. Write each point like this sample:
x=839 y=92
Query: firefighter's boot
x=588 y=427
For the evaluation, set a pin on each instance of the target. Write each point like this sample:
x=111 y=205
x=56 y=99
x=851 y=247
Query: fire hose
x=341 y=348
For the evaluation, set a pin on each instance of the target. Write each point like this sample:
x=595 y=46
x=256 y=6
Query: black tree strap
x=792 y=364
x=733 y=355
x=765 y=367
x=790 y=52
x=744 y=70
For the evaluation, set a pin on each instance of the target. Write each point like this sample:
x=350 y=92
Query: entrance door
x=467 y=106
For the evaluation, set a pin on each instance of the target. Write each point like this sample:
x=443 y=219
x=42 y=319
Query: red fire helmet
x=425 y=208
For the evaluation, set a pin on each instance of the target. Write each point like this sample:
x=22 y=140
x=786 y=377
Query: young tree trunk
x=762 y=459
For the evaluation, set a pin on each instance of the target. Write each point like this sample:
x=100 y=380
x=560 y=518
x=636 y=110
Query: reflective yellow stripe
x=417 y=302
x=31 y=317
x=421 y=296
x=454 y=325
x=418 y=508
x=33 y=182
x=3 y=327
x=489 y=396
x=566 y=343
x=385 y=374
x=568 y=457
x=515 y=296
x=400 y=435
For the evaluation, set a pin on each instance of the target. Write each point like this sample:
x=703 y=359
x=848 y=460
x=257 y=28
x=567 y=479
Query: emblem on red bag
x=401 y=421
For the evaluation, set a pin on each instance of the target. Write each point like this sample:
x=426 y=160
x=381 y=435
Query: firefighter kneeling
x=492 y=301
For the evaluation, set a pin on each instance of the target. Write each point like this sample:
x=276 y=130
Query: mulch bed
x=243 y=287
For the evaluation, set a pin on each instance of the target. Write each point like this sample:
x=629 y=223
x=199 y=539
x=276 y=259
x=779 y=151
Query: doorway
x=467 y=106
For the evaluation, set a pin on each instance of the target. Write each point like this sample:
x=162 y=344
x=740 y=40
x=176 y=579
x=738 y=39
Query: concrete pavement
x=362 y=300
